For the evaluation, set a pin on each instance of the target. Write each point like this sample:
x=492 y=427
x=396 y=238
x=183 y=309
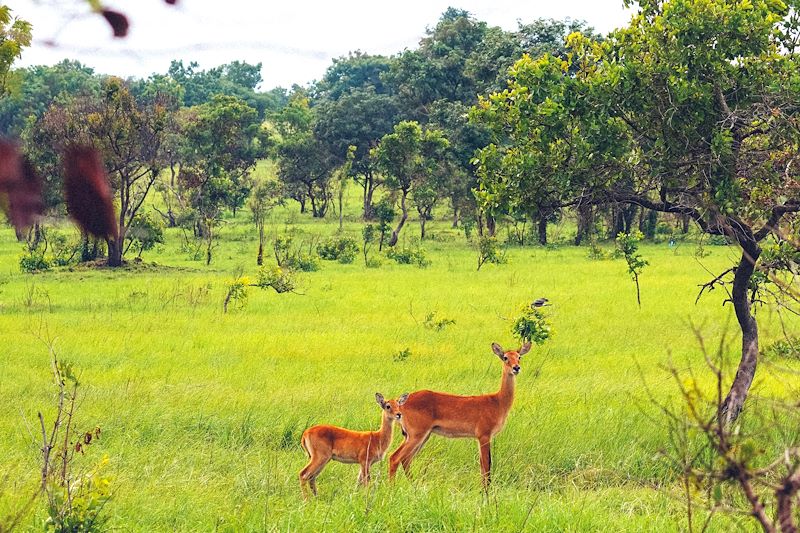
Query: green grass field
x=201 y=411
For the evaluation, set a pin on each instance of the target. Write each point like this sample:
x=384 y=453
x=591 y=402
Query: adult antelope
x=479 y=417
x=323 y=443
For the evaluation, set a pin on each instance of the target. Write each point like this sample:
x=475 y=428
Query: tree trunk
x=114 y=252
x=584 y=222
x=403 y=218
x=734 y=401
x=542 y=229
x=628 y=216
x=260 y=257
x=341 y=210
x=422 y=221
x=684 y=224
x=369 y=190
x=491 y=225
x=455 y=218
x=209 y=237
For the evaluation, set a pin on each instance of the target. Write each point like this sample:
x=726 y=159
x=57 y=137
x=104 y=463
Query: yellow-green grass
x=202 y=411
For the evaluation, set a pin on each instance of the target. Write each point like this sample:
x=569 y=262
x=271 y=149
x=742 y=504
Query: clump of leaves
x=237 y=293
x=279 y=279
x=384 y=213
x=402 y=355
x=531 y=325
x=627 y=248
x=489 y=251
x=368 y=235
x=412 y=255
x=342 y=249
x=437 y=324
x=788 y=348
x=34 y=261
x=144 y=233
x=294 y=257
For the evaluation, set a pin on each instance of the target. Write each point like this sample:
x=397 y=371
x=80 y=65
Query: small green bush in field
x=413 y=255
x=531 y=326
x=34 y=262
x=342 y=249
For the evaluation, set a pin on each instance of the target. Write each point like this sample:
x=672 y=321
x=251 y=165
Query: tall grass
x=202 y=411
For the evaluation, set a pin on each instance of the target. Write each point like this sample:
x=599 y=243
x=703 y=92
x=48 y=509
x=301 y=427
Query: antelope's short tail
x=304 y=446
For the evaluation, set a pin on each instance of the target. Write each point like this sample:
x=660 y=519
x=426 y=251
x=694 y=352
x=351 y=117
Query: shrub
x=432 y=321
x=788 y=348
x=342 y=249
x=144 y=233
x=414 y=255
x=63 y=249
x=237 y=293
x=294 y=257
x=34 y=261
x=402 y=355
x=531 y=326
x=279 y=279
x=489 y=251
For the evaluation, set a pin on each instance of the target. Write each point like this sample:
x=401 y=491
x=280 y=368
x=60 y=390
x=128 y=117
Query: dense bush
x=144 y=233
x=294 y=256
x=34 y=261
x=342 y=249
x=413 y=255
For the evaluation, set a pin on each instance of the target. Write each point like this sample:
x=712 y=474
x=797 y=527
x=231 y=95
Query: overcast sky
x=295 y=40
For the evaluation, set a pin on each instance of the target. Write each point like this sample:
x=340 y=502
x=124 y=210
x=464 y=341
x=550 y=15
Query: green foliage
x=627 y=248
x=384 y=212
x=531 y=326
x=414 y=254
x=291 y=255
x=279 y=279
x=490 y=251
x=788 y=348
x=15 y=34
x=369 y=235
x=79 y=509
x=237 y=293
x=402 y=355
x=432 y=321
x=34 y=261
x=145 y=231
x=343 y=249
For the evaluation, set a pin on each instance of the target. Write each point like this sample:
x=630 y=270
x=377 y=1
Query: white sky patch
x=295 y=41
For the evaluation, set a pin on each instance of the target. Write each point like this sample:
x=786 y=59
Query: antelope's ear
x=379 y=399
x=525 y=348
x=498 y=351
x=402 y=399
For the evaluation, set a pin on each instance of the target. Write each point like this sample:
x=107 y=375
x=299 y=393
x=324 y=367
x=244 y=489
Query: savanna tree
x=128 y=134
x=223 y=141
x=266 y=195
x=690 y=110
x=412 y=159
x=305 y=165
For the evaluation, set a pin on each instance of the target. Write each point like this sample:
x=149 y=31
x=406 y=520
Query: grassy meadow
x=201 y=412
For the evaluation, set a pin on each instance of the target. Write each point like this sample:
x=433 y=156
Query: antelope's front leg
x=363 y=475
x=486 y=460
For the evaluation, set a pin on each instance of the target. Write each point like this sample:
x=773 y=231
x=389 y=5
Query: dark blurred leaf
x=88 y=193
x=117 y=21
x=20 y=187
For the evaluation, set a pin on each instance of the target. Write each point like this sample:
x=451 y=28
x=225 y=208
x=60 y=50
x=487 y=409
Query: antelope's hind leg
x=310 y=472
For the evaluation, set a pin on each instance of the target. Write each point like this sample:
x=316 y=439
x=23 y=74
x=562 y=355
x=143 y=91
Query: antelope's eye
x=387 y=407
x=505 y=358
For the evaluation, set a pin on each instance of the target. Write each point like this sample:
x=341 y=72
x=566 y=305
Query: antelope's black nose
x=516 y=369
